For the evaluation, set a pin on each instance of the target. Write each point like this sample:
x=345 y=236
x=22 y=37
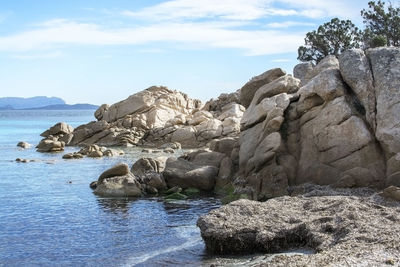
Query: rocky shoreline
x=345 y=227
x=335 y=125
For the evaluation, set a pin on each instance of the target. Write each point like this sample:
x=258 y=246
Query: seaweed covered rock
x=345 y=226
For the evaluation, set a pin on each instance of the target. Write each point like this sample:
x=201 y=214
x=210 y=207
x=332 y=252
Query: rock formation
x=347 y=227
x=24 y=145
x=117 y=181
x=335 y=125
x=154 y=117
x=93 y=151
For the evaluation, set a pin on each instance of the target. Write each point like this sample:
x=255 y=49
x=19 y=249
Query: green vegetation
x=331 y=38
x=229 y=194
x=382 y=22
x=382 y=27
x=176 y=196
x=191 y=191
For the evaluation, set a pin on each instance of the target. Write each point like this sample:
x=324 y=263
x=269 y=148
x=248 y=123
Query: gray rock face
x=146 y=165
x=61 y=128
x=118 y=170
x=328 y=131
x=385 y=64
x=117 y=181
x=249 y=89
x=356 y=72
x=343 y=227
x=119 y=186
x=183 y=173
x=99 y=113
x=170 y=103
x=303 y=72
x=149 y=172
x=157 y=116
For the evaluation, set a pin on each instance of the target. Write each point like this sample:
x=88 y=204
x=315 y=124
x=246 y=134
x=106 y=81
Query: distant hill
x=40 y=102
x=27 y=103
x=67 y=107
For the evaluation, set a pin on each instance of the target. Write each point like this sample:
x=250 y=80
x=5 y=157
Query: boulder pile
x=335 y=124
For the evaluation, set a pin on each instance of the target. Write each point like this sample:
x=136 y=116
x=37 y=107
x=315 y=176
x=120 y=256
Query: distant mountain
x=67 y=107
x=6 y=107
x=40 y=102
x=27 y=103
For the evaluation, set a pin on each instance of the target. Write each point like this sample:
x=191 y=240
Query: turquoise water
x=50 y=217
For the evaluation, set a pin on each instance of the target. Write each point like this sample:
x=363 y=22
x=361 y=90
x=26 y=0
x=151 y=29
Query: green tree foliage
x=331 y=38
x=378 y=40
x=382 y=21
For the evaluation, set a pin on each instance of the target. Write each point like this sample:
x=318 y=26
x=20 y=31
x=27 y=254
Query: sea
x=50 y=217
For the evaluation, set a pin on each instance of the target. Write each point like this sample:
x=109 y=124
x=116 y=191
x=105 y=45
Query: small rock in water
x=22 y=160
x=24 y=145
x=147 y=151
x=95 y=154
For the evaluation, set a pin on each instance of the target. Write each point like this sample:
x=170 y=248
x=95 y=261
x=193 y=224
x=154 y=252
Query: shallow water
x=50 y=217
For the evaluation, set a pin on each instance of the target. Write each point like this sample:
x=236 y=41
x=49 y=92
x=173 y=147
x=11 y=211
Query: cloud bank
x=256 y=27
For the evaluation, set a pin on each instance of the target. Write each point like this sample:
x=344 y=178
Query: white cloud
x=288 y=24
x=49 y=55
x=191 y=23
x=194 y=9
x=56 y=33
x=246 y=9
x=327 y=8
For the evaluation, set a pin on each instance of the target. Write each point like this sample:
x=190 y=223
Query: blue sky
x=99 y=51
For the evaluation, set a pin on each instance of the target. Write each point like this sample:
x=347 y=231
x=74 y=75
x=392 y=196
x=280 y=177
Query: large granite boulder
x=119 y=186
x=185 y=174
x=346 y=227
x=249 y=89
x=326 y=130
x=117 y=181
x=356 y=72
x=50 y=145
x=149 y=172
x=158 y=103
x=385 y=63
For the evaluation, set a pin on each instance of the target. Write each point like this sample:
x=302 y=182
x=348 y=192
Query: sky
x=102 y=51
